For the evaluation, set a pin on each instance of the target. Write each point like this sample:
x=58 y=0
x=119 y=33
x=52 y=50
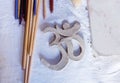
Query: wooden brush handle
x=26 y=36
x=34 y=26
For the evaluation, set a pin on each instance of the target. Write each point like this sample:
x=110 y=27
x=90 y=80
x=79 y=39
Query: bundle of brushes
x=28 y=10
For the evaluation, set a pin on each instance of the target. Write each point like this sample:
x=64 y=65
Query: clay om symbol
x=65 y=34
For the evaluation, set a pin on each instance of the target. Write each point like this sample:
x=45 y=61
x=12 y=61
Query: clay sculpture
x=65 y=35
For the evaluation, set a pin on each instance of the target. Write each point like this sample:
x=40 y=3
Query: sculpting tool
x=51 y=5
x=34 y=7
x=44 y=9
x=32 y=39
x=19 y=2
x=16 y=9
x=25 y=47
x=21 y=11
x=30 y=25
x=34 y=25
x=24 y=9
x=30 y=31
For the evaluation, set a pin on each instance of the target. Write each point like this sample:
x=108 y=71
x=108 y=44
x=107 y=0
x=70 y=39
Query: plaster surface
x=105 y=26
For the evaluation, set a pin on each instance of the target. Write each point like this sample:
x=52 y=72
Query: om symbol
x=65 y=34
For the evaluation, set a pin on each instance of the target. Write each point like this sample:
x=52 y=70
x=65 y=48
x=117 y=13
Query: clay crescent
x=62 y=62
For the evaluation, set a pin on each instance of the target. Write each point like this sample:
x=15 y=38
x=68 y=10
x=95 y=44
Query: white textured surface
x=105 y=26
x=91 y=69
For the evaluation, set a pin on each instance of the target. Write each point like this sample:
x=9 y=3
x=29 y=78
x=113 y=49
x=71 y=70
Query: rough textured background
x=105 y=30
x=105 y=26
x=91 y=69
